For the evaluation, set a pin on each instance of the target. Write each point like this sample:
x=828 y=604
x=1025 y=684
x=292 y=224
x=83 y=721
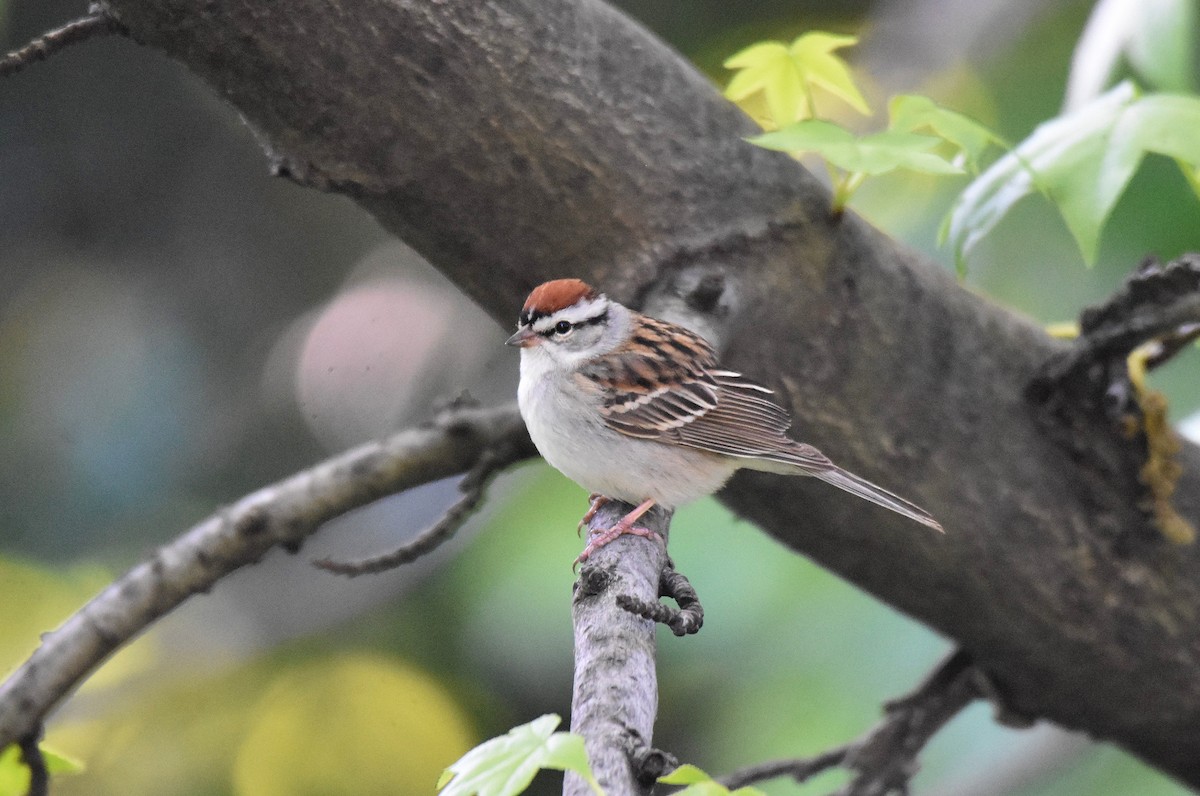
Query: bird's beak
x=524 y=338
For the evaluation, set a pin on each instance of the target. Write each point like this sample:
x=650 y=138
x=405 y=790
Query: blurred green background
x=177 y=329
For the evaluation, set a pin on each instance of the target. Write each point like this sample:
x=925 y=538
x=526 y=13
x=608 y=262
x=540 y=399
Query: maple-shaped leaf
x=1082 y=162
x=506 y=765
x=910 y=113
x=780 y=79
x=875 y=153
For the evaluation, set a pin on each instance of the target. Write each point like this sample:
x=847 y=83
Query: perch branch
x=282 y=514
x=886 y=757
x=96 y=23
x=615 y=695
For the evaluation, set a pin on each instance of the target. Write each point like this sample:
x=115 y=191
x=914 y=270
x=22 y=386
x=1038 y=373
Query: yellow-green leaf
x=783 y=78
x=768 y=69
x=813 y=52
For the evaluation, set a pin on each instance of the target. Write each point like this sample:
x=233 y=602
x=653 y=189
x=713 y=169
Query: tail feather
x=863 y=488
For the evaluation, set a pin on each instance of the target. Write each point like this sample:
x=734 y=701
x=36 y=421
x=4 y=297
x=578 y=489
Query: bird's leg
x=597 y=502
x=622 y=526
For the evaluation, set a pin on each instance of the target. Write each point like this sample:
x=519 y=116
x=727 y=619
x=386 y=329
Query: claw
x=597 y=502
x=623 y=526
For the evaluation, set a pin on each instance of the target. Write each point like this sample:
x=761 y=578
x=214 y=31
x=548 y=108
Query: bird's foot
x=597 y=502
x=623 y=526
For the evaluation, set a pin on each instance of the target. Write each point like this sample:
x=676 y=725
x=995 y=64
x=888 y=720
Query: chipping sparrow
x=639 y=410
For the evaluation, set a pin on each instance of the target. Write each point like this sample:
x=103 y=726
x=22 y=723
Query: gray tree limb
x=614 y=699
x=515 y=141
x=282 y=514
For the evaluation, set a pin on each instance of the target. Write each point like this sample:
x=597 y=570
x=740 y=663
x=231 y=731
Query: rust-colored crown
x=550 y=297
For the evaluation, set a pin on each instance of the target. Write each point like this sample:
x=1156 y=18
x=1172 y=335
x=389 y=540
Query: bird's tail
x=876 y=494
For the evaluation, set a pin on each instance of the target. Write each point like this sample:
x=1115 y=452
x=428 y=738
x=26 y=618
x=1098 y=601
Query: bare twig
x=96 y=23
x=615 y=695
x=800 y=770
x=885 y=758
x=686 y=619
x=1158 y=303
x=473 y=486
x=31 y=753
x=283 y=514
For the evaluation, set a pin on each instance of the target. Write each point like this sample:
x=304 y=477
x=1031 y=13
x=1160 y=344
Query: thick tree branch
x=515 y=141
x=615 y=696
x=283 y=514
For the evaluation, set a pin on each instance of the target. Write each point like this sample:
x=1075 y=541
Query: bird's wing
x=747 y=423
x=667 y=386
x=658 y=383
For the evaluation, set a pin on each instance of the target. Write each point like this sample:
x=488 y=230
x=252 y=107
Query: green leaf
x=1154 y=38
x=912 y=112
x=873 y=154
x=701 y=784
x=786 y=76
x=506 y=765
x=1082 y=162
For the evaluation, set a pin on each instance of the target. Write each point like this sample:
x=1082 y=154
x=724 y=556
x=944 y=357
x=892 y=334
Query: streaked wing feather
x=653 y=393
x=650 y=393
x=746 y=424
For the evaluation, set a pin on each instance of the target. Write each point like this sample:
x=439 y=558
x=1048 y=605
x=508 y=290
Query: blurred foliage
x=295 y=722
x=14 y=774
x=162 y=301
x=1080 y=161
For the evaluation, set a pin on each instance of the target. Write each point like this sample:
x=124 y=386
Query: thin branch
x=282 y=514
x=688 y=618
x=800 y=770
x=96 y=23
x=31 y=753
x=886 y=757
x=1156 y=303
x=473 y=486
x=615 y=695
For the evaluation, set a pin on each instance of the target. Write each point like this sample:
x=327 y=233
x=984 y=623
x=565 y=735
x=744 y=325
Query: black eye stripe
x=597 y=319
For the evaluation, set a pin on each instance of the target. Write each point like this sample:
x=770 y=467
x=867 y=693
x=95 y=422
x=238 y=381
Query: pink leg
x=597 y=502
x=623 y=526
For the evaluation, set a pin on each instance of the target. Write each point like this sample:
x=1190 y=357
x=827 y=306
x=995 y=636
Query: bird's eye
x=562 y=327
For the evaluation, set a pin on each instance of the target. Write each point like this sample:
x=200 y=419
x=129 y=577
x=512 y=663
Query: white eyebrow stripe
x=578 y=313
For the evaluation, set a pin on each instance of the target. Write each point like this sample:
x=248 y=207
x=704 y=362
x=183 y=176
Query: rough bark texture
x=615 y=695
x=516 y=141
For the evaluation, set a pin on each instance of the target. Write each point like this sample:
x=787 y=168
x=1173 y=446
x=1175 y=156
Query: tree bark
x=512 y=142
x=614 y=697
